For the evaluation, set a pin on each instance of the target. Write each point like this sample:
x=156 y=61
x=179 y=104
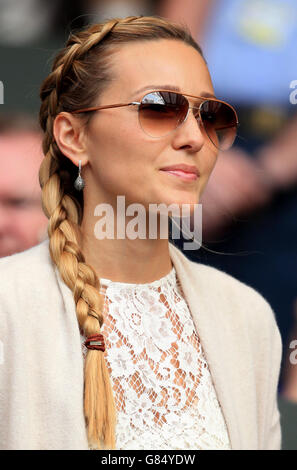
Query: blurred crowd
x=250 y=203
x=22 y=221
x=29 y=21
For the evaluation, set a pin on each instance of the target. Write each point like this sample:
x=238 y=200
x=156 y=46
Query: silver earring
x=79 y=183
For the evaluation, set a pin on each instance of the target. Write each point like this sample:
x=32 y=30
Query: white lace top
x=163 y=390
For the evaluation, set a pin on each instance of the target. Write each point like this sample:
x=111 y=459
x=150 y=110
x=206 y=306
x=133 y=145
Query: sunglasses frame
x=185 y=95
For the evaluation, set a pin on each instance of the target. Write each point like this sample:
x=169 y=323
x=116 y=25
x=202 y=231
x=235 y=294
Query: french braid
x=79 y=73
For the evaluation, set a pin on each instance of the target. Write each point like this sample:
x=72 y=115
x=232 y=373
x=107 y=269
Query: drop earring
x=79 y=183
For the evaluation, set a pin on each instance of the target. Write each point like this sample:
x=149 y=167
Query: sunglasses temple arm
x=98 y=108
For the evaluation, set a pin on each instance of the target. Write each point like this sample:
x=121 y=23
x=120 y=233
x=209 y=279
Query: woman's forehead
x=166 y=62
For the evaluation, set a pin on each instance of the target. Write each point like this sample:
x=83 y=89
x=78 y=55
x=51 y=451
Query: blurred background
x=250 y=203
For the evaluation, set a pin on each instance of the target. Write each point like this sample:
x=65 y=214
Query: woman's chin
x=188 y=200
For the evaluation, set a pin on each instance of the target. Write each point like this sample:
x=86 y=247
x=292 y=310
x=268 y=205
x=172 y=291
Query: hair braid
x=99 y=406
x=79 y=73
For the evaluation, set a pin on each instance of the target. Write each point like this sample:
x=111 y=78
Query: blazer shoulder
x=23 y=265
x=29 y=290
x=27 y=272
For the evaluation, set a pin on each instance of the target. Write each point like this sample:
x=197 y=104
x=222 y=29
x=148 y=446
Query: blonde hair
x=80 y=73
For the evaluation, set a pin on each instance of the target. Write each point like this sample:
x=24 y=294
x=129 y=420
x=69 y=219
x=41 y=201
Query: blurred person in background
x=25 y=21
x=22 y=221
x=80 y=13
x=250 y=204
x=103 y=9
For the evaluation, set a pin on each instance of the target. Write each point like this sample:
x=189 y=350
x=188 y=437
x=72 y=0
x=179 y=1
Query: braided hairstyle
x=79 y=74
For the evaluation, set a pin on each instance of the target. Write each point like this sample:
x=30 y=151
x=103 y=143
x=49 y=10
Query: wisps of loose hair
x=79 y=74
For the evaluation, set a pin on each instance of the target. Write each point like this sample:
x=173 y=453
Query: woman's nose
x=191 y=131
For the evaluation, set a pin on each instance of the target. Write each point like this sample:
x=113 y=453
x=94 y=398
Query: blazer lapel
x=210 y=330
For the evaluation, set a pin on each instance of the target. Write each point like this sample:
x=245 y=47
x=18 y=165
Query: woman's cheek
x=210 y=164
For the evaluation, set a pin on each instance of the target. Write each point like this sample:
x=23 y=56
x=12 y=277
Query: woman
x=120 y=342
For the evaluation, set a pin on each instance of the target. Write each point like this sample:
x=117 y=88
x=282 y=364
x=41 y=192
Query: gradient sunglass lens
x=220 y=123
x=162 y=112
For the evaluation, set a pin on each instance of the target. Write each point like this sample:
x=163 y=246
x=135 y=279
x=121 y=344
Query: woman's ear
x=69 y=134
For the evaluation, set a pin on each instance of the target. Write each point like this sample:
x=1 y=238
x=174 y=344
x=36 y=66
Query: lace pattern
x=163 y=390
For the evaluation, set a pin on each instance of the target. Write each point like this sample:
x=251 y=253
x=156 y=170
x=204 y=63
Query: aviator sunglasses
x=162 y=111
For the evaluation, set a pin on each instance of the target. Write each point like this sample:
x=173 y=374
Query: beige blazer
x=41 y=362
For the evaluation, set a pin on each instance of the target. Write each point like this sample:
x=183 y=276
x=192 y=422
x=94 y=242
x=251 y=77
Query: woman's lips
x=182 y=174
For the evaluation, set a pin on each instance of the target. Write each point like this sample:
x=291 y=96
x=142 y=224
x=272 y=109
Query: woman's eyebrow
x=156 y=87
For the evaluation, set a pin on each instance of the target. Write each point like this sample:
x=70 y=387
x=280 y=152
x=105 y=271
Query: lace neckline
x=168 y=278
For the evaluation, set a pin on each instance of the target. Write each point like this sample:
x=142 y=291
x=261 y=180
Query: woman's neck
x=126 y=260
